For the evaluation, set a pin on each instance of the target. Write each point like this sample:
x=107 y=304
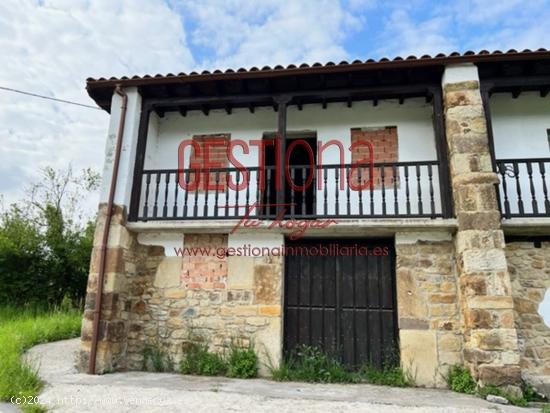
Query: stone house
x=212 y=228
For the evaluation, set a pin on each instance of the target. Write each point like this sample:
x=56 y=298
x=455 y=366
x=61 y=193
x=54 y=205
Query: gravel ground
x=69 y=391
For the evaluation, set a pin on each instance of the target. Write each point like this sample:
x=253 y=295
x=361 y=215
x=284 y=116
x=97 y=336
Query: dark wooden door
x=343 y=304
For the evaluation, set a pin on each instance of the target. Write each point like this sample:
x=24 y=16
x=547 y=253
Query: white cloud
x=403 y=36
x=244 y=33
x=424 y=27
x=50 y=47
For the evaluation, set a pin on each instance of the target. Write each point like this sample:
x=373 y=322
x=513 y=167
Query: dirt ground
x=69 y=391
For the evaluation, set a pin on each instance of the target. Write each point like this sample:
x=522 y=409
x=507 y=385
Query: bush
x=198 y=360
x=460 y=380
x=242 y=362
x=156 y=359
x=312 y=365
x=45 y=243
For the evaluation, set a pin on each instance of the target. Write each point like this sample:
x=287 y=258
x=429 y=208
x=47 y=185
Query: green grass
x=157 y=359
x=199 y=361
x=21 y=329
x=546 y=409
x=310 y=364
x=461 y=381
x=484 y=391
x=241 y=362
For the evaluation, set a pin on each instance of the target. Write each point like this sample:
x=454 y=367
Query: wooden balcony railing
x=399 y=190
x=524 y=187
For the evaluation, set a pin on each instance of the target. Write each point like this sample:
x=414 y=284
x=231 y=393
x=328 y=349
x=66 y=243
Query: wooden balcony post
x=139 y=162
x=442 y=155
x=281 y=102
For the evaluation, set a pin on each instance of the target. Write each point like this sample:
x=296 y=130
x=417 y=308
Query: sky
x=50 y=47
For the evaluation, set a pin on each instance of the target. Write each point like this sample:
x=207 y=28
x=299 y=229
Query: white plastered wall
x=416 y=142
x=520 y=131
x=128 y=150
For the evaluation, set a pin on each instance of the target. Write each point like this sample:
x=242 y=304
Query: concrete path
x=69 y=391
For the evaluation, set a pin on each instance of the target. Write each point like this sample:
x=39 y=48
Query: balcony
x=523 y=189
x=398 y=190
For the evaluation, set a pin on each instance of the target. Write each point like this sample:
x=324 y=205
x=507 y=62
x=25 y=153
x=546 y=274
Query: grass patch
x=242 y=362
x=156 y=359
x=460 y=380
x=498 y=391
x=546 y=408
x=21 y=329
x=198 y=360
x=310 y=364
x=387 y=376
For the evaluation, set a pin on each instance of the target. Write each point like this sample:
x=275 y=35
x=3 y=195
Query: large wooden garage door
x=344 y=305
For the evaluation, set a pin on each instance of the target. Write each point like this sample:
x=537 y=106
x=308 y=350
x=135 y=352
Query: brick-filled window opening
x=385 y=150
x=216 y=144
x=203 y=271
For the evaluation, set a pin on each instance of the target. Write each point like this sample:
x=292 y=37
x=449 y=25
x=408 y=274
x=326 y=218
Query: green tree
x=46 y=241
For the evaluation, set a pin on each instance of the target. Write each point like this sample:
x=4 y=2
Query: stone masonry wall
x=154 y=300
x=429 y=328
x=490 y=338
x=218 y=299
x=529 y=269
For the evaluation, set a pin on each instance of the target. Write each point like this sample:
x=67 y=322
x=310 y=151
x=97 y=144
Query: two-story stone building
x=455 y=218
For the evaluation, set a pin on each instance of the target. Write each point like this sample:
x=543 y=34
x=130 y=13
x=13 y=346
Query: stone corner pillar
x=112 y=334
x=487 y=316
